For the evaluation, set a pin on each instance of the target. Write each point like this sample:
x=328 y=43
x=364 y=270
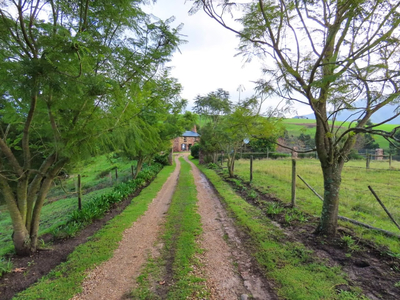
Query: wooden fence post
x=79 y=192
x=390 y=160
x=293 y=182
x=251 y=168
x=368 y=160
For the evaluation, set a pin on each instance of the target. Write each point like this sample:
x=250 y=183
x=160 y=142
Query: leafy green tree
x=213 y=105
x=307 y=140
x=70 y=72
x=263 y=144
x=324 y=54
x=244 y=122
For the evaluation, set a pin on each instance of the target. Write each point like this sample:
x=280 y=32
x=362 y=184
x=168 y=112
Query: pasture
x=356 y=201
x=307 y=126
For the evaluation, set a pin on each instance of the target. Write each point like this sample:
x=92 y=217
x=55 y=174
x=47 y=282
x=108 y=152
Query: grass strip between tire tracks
x=174 y=268
x=297 y=274
x=65 y=280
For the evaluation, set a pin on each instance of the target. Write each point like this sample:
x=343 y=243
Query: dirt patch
x=115 y=278
x=43 y=261
x=226 y=247
x=368 y=266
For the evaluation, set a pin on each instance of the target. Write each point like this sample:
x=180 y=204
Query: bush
x=354 y=155
x=194 y=150
x=275 y=155
x=162 y=159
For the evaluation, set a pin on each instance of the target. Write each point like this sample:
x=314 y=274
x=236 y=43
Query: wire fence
x=356 y=200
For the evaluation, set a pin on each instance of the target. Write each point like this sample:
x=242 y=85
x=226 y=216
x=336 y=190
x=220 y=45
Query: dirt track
x=115 y=278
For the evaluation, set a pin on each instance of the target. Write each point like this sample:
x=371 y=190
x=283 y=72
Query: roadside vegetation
x=62 y=200
x=274 y=177
x=295 y=269
x=171 y=275
x=65 y=280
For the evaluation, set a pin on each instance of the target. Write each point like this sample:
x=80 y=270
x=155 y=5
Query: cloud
x=207 y=62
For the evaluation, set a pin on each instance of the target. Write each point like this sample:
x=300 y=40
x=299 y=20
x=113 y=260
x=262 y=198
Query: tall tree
x=213 y=105
x=329 y=55
x=69 y=72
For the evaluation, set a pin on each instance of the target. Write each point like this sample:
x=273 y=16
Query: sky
x=207 y=61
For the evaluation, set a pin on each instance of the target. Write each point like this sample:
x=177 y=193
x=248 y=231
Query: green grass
x=306 y=126
x=182 y=228
x=65 y=280
x=293 y=267
x=356 y=201
x=53 y=215
x=94 y=172
x=56 y=213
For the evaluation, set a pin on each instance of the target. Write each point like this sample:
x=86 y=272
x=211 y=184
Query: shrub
x=354 y=155
x=162 y=159
x=194 y=150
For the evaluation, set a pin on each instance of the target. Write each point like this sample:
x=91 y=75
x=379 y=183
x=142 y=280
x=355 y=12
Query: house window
x=183 y=147
x=185 y=139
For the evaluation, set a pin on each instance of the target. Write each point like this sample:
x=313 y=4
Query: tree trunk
x=139 y=166
x=26 y=219
x=329 y=216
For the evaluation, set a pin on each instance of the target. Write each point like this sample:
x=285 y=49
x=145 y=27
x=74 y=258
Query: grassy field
x=55 y=213
x=274 y=177
x=297 y=126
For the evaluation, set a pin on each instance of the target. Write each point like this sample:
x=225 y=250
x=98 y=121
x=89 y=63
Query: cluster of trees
x=327 y=55
x=228 y=126
x=78 y=78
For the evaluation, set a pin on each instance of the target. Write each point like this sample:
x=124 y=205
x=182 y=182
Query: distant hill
x=378 y=117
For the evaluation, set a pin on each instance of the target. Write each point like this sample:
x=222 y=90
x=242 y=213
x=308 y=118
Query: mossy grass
x=182 y=228
x=356 y=201
x=65 y=280
x=294 y=268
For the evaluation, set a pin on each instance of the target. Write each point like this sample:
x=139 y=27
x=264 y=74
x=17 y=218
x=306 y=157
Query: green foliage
x=194 y=150
x=213 y=105
x=274 y=208
x=212 y=166
x=6 y=266
x=350 y=243
x=263 y=144
x=96 y=207
x=162 y=159
x=354 y=155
